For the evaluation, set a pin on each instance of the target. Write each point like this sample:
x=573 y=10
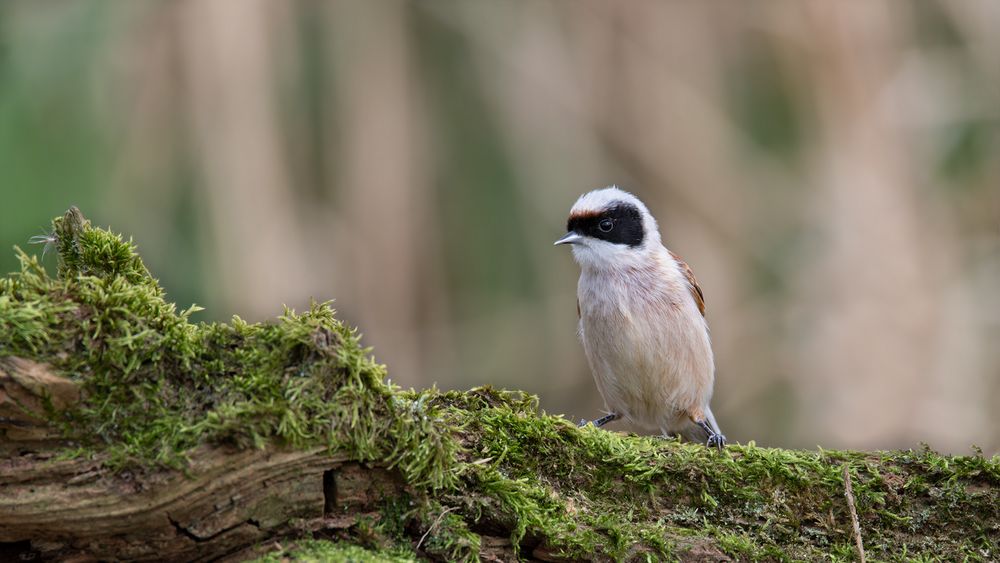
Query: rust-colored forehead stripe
x=588 y=214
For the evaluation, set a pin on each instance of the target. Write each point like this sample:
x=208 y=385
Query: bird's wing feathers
x=699 y=297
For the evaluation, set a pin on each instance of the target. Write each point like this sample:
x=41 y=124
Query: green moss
x=591 y=491
x=158 y=384
x=328 y=551
x=477 y=463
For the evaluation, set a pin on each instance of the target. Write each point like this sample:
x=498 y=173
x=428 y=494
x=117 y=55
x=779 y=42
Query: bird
x=641 y=319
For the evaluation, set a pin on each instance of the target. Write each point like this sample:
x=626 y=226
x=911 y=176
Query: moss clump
x=158 y=384
x=480 y=465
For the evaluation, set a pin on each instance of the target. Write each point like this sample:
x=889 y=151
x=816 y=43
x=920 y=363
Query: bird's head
x=610 y=228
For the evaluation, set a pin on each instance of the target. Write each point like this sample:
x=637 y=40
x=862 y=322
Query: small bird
x=642 y=320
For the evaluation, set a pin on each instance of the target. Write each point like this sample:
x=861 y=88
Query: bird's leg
x=603 y=420
x=606 y=419
x=715 y=440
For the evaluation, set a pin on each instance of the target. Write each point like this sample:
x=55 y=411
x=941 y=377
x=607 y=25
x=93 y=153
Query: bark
x=225 y=502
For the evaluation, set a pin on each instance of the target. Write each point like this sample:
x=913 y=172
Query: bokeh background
x=829 y=169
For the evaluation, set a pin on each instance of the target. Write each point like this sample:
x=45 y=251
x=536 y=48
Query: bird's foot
x=715 y=439
x=601 y=421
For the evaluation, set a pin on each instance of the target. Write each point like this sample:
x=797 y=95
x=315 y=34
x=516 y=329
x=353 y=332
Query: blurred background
x=829 y=170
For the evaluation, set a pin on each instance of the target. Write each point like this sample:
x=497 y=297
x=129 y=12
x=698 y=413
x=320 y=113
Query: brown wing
x=699 y=297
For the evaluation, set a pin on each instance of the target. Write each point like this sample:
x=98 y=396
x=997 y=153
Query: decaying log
x=231 y=503
x=225 y=501
x=232 y=500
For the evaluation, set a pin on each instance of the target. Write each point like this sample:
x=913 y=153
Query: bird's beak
x=570 y=238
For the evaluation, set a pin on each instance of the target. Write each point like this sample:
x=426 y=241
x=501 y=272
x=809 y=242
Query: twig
x=433 y=525
x=854 y=515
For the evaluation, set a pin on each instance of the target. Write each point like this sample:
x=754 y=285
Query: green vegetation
x=159 y=385
x=478 y=463
x=319 y=550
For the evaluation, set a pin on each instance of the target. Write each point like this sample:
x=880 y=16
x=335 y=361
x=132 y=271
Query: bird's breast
x=649 y=353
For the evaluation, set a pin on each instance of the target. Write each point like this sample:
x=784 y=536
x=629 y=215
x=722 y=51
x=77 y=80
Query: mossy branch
x=130 y=431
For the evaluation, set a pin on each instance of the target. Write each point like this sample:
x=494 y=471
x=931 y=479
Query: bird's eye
x=606 y=225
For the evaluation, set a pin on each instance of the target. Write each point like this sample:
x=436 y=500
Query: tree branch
x=129 y=432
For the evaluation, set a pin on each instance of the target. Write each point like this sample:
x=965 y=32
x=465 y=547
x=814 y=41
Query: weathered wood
x=26 y=387
x=226 y=500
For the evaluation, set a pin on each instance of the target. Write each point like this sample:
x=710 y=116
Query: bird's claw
x=716 y=440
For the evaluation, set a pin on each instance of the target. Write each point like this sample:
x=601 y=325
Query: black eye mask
x=626 y=224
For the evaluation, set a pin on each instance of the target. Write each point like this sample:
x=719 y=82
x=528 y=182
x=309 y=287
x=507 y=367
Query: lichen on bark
x=332 y=461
